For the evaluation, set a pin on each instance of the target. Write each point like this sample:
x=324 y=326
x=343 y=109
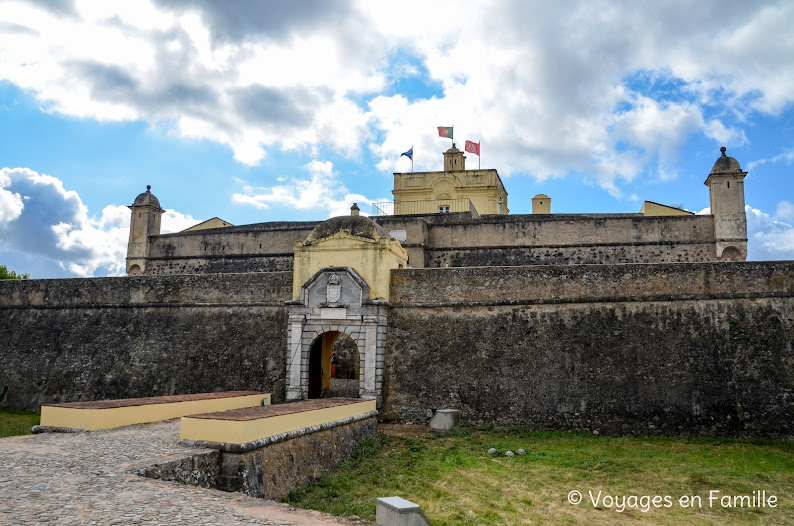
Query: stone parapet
x=207 y=289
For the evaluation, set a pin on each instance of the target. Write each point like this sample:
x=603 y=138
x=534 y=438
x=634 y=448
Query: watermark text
x=645 y=503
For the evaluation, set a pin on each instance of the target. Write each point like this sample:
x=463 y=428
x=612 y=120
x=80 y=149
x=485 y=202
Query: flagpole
x=412 y=158
x=479 y=157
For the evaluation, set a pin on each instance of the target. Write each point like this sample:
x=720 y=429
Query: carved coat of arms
x=333 y=291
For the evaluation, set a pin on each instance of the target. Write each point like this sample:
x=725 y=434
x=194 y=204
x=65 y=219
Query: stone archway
x=319 y=362
x=731 y=254
x=336 y=300
x=348 y=367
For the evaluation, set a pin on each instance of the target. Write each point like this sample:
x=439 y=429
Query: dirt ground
x=402 y=430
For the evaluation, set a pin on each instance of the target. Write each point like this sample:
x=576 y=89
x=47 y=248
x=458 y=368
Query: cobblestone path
x=90 y=478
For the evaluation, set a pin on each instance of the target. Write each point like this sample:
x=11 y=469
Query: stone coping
x=152 y=400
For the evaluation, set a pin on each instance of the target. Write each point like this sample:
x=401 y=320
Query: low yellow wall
x=93 y=419
x=243 y=431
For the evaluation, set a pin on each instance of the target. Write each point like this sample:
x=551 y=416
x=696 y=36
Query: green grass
x=457 y=483
x=15 y=422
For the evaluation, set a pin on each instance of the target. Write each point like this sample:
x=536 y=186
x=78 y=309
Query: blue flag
x=409 y=153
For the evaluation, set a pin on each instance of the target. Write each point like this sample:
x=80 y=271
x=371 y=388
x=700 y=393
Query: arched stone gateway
x=335 y=300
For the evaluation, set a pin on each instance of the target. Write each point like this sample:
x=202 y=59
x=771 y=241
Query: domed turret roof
x=147 y=198
x=359 y=226
x=726 y=164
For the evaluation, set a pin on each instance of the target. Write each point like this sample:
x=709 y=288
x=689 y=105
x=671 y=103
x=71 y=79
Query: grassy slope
x=457 y=483
x=14 y=422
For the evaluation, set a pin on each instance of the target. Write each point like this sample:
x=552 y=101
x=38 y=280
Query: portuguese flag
x=445 y=131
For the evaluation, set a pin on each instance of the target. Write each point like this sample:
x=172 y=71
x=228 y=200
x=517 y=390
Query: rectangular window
x=443 y=209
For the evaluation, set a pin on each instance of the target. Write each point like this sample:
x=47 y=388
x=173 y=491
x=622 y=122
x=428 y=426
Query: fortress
x=617 y=323
x=459 y=218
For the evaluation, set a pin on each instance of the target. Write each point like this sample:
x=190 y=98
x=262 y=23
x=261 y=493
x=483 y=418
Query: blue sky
x=259 y=111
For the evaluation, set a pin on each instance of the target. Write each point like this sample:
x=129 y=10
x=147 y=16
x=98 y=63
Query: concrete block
x=444 y=420
x=396 y=511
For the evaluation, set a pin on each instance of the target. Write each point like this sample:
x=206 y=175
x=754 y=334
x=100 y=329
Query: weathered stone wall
x=264 y=247
x=645 y=348
x=560 y=239
x=68 y=340
x=166 y=266
x=696 y=348
x=592 y=254
x=271 y=471
x=458 y=240
x=454 y=240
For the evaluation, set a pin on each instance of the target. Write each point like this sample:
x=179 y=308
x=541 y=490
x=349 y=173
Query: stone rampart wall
x=69 y=340
x=586 y=254
x=167 y=266
x=455 y=240
x=667 y=348
x=571 y=229
x=697 y=348
x=265 y=247
x=570 y=240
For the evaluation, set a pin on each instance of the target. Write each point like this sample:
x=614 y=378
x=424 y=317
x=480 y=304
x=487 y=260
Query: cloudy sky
x=260 y=110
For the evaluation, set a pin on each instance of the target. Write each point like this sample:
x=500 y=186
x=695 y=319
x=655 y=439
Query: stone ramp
x=110 y=414
x=90 y=478
x=268 y=451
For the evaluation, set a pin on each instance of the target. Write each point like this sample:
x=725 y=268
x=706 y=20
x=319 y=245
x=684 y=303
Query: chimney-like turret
x=454 y=160
x=726 y=196
x=145 y=222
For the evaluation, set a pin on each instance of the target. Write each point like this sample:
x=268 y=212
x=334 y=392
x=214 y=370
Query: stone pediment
x=335 y=287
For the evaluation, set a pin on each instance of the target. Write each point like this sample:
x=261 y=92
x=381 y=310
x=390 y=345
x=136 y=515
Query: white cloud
x=722 y=134
x=10 y=203
x=544 y=94
x=99 y=242
x=657 y=126
x=785 y=157
x=785 y=210
x=183 y=65
x=322 y=191
x=768 y=238
x=547 y=88
x=173 y=221
x=55 y=225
